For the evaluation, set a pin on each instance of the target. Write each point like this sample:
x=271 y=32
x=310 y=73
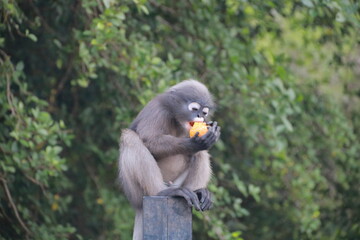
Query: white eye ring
x=194 y=106
x=205 y=111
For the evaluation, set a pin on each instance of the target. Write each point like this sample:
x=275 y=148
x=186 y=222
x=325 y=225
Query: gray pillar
x=166 y=218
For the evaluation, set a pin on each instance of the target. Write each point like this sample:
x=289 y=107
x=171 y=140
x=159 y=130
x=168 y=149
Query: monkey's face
x=192 y=112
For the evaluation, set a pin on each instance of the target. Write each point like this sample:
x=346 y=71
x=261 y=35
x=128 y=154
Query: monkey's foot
x=204 y=197
x=191 y=197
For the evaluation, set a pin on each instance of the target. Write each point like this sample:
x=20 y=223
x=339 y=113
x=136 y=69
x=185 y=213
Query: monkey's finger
x=196 y=135
x=180 y=192
x=206 y=206
x=210 y=123
x=202 y=194
x=208 y=202
x=183 y=194
x=218 y=133
x=212 y=128
x=211 y=138
x=196 y=203
x=218 y=129
x=189 y=195
x=193 y=198
x=215 y=127
x=208 y=133
x=188 y=200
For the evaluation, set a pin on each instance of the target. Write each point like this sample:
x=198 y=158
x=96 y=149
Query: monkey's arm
x=162 y=146
x=167 y=145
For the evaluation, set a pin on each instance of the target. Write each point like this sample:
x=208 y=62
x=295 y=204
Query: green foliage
x=284 y=73
x=31 y=168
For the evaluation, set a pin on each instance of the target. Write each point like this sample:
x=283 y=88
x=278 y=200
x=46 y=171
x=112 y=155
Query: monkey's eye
x=205 y=111
x=194 y=106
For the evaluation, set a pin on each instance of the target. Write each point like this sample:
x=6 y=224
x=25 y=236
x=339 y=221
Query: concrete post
x=166 y=218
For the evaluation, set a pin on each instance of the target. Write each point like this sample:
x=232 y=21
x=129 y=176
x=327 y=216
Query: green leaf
x=308 y=3
x=32 y=37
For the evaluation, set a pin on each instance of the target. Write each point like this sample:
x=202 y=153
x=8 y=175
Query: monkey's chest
x=172 y=167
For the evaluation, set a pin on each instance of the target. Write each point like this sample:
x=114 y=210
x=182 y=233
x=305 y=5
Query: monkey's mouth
x=191 y=123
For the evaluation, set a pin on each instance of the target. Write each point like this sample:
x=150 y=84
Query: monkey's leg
x=139 y=175
x=139 y=172
x=199 y=177
x=138 y=226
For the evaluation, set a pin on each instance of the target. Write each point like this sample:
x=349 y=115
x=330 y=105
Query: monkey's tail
x=138 y=226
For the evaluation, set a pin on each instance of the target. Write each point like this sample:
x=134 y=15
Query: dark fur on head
x=178 y=97
x=192 y=91
x=172 y=105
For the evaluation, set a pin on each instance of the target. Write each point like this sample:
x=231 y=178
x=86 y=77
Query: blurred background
x=285 y=76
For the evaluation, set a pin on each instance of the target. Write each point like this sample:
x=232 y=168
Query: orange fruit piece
x=200 y=127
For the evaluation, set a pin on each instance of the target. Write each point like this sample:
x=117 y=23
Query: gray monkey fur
x=158 y=157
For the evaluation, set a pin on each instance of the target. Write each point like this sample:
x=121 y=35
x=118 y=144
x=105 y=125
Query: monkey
x=157 y=156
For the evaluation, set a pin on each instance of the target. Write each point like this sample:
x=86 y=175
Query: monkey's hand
x=191 y=197
x=204 y=197
x=208 y=140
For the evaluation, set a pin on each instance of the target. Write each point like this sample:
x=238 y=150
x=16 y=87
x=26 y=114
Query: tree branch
x=8 y=195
